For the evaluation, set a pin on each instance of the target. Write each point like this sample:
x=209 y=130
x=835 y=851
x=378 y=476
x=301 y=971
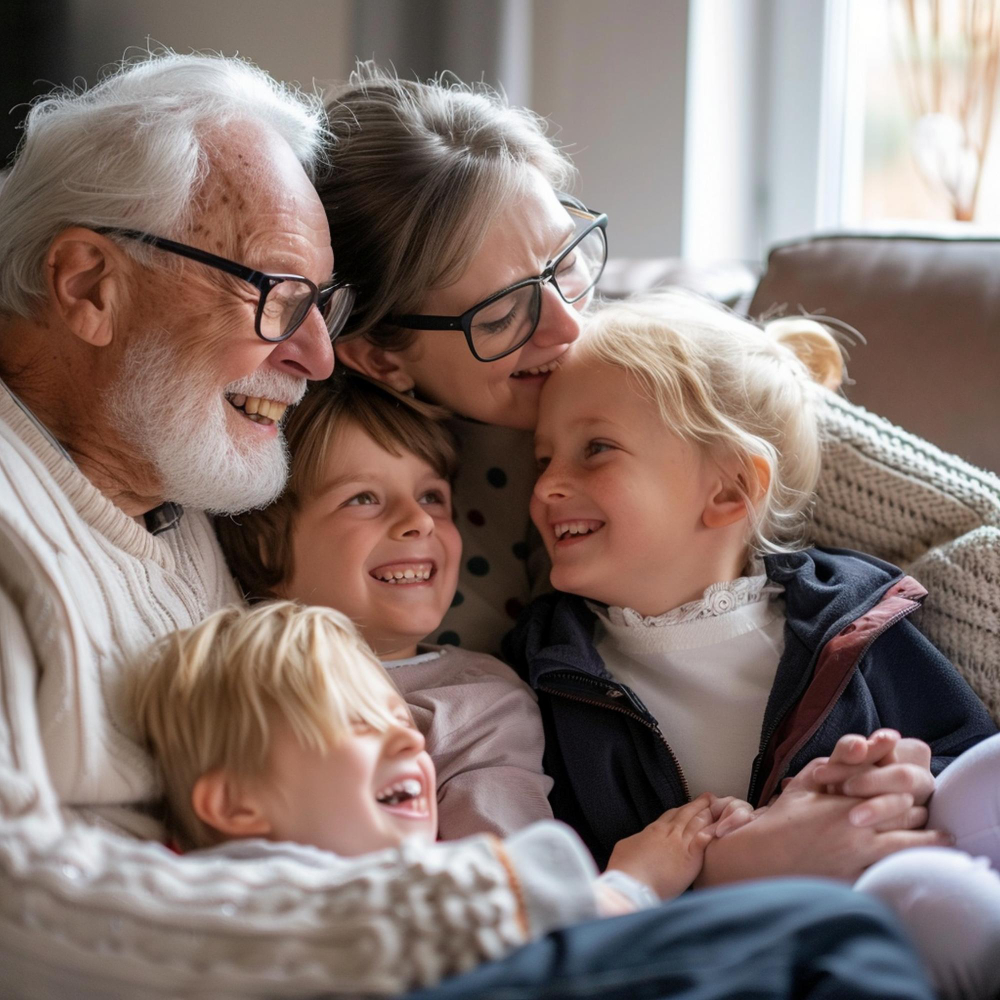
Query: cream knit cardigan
x=87 y=907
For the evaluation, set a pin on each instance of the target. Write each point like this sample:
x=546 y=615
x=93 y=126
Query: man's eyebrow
x=269 y=260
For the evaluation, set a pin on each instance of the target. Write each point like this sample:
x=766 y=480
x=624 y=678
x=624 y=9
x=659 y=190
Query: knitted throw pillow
x=892 y=494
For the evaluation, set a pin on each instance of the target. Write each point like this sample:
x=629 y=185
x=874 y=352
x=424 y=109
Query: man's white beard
x=178 y=421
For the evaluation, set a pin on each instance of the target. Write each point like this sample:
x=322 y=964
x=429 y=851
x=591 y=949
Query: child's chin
x=579 y=585
x=568 y=581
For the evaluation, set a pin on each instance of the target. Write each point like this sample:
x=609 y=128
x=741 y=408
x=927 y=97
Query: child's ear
x=228 y=806
x=728 y=502
x=374 y=361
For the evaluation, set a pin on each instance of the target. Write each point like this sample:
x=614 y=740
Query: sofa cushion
x=929 y=309
x=885 y=491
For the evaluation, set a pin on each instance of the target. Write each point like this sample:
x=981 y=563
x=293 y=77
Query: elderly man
x=166 y=290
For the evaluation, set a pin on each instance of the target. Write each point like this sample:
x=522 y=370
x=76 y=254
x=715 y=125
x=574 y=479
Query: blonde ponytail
x=813 y=344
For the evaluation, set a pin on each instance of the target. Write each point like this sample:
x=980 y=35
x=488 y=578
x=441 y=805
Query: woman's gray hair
x=417 y=172
x=133 y=152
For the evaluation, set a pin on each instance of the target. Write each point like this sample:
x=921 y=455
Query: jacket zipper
x=759 y=761
x=625 y=711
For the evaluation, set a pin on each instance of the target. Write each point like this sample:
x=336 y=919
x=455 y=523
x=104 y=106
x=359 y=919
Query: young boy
x=278 y=723
x=366 y=527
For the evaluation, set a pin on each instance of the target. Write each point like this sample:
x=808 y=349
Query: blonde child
x=694 y=644
x=277 y=723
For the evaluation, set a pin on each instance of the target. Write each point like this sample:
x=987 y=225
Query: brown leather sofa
x=929 y=310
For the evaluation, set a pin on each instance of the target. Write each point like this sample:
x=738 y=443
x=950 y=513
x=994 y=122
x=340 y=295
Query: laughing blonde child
x=278 y=725
x=695 y=644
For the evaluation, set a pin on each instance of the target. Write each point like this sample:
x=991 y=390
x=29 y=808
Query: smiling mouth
x=537 y=370
x=404 y=574
x=258 y=409
x=571 y=531
x=405 y=797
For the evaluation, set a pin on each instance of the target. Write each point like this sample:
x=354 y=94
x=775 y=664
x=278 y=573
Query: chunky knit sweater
x=892 y=494
x=90 y=904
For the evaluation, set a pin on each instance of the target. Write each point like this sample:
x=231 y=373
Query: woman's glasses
x=285 y=299
x=505 y=321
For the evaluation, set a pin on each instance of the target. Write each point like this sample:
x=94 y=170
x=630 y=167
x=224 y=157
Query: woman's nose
x=558 y=321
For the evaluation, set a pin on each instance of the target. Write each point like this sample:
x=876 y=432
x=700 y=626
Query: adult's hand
x=885 y=769
x=806 y=832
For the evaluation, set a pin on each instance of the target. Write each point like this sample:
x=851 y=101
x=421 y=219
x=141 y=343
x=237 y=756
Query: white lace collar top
x=725 y=610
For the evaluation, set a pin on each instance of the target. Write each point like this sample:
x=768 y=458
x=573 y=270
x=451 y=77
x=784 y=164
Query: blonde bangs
x=212 y=693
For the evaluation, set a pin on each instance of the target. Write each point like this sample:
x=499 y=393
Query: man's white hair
x=131 y=152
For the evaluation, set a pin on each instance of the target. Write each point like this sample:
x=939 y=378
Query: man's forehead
x=259 y=200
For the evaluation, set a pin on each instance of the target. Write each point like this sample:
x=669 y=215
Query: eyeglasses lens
x=284 y=308
x=337 y=309
x=506 y=323
x=579 y=270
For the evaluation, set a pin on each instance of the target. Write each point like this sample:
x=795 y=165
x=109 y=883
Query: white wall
x=612 y=74
x=294 y=41
x=724 y=186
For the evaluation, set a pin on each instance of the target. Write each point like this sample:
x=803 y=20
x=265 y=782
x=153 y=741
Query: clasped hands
x=839 y=815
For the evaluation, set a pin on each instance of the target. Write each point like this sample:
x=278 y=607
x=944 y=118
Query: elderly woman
x=472 y=269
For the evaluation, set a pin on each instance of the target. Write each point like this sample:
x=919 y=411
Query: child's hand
x=731 y=813
x=668 y=854
x=892 y=773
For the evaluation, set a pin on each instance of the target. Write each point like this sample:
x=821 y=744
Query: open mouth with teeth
x=407 y=574
x=257 y=409
x=405 y=797
x=567 y=532
x=537 y=371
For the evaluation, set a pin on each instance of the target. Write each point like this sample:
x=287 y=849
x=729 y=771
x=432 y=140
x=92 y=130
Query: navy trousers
x=773 y=940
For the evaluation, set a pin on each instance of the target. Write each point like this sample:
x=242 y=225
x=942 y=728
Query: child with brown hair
x=365 y=526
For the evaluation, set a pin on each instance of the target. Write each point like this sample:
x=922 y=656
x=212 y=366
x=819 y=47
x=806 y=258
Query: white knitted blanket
x=895 y=495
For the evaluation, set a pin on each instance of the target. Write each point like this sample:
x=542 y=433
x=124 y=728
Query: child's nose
x=551 y=485
x=414 y=522
x=405 y=738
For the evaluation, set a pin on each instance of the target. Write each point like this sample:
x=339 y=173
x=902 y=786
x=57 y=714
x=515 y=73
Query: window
x=929 y=74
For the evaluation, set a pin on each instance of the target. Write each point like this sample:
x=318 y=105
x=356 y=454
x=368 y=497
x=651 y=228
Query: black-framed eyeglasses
x=505 y=321
x=285 y=299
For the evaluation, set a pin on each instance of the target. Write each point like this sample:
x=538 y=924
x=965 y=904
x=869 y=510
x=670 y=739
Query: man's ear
x=727 y=503
x=228 y=806
x=85 y=275
x=376 y=362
